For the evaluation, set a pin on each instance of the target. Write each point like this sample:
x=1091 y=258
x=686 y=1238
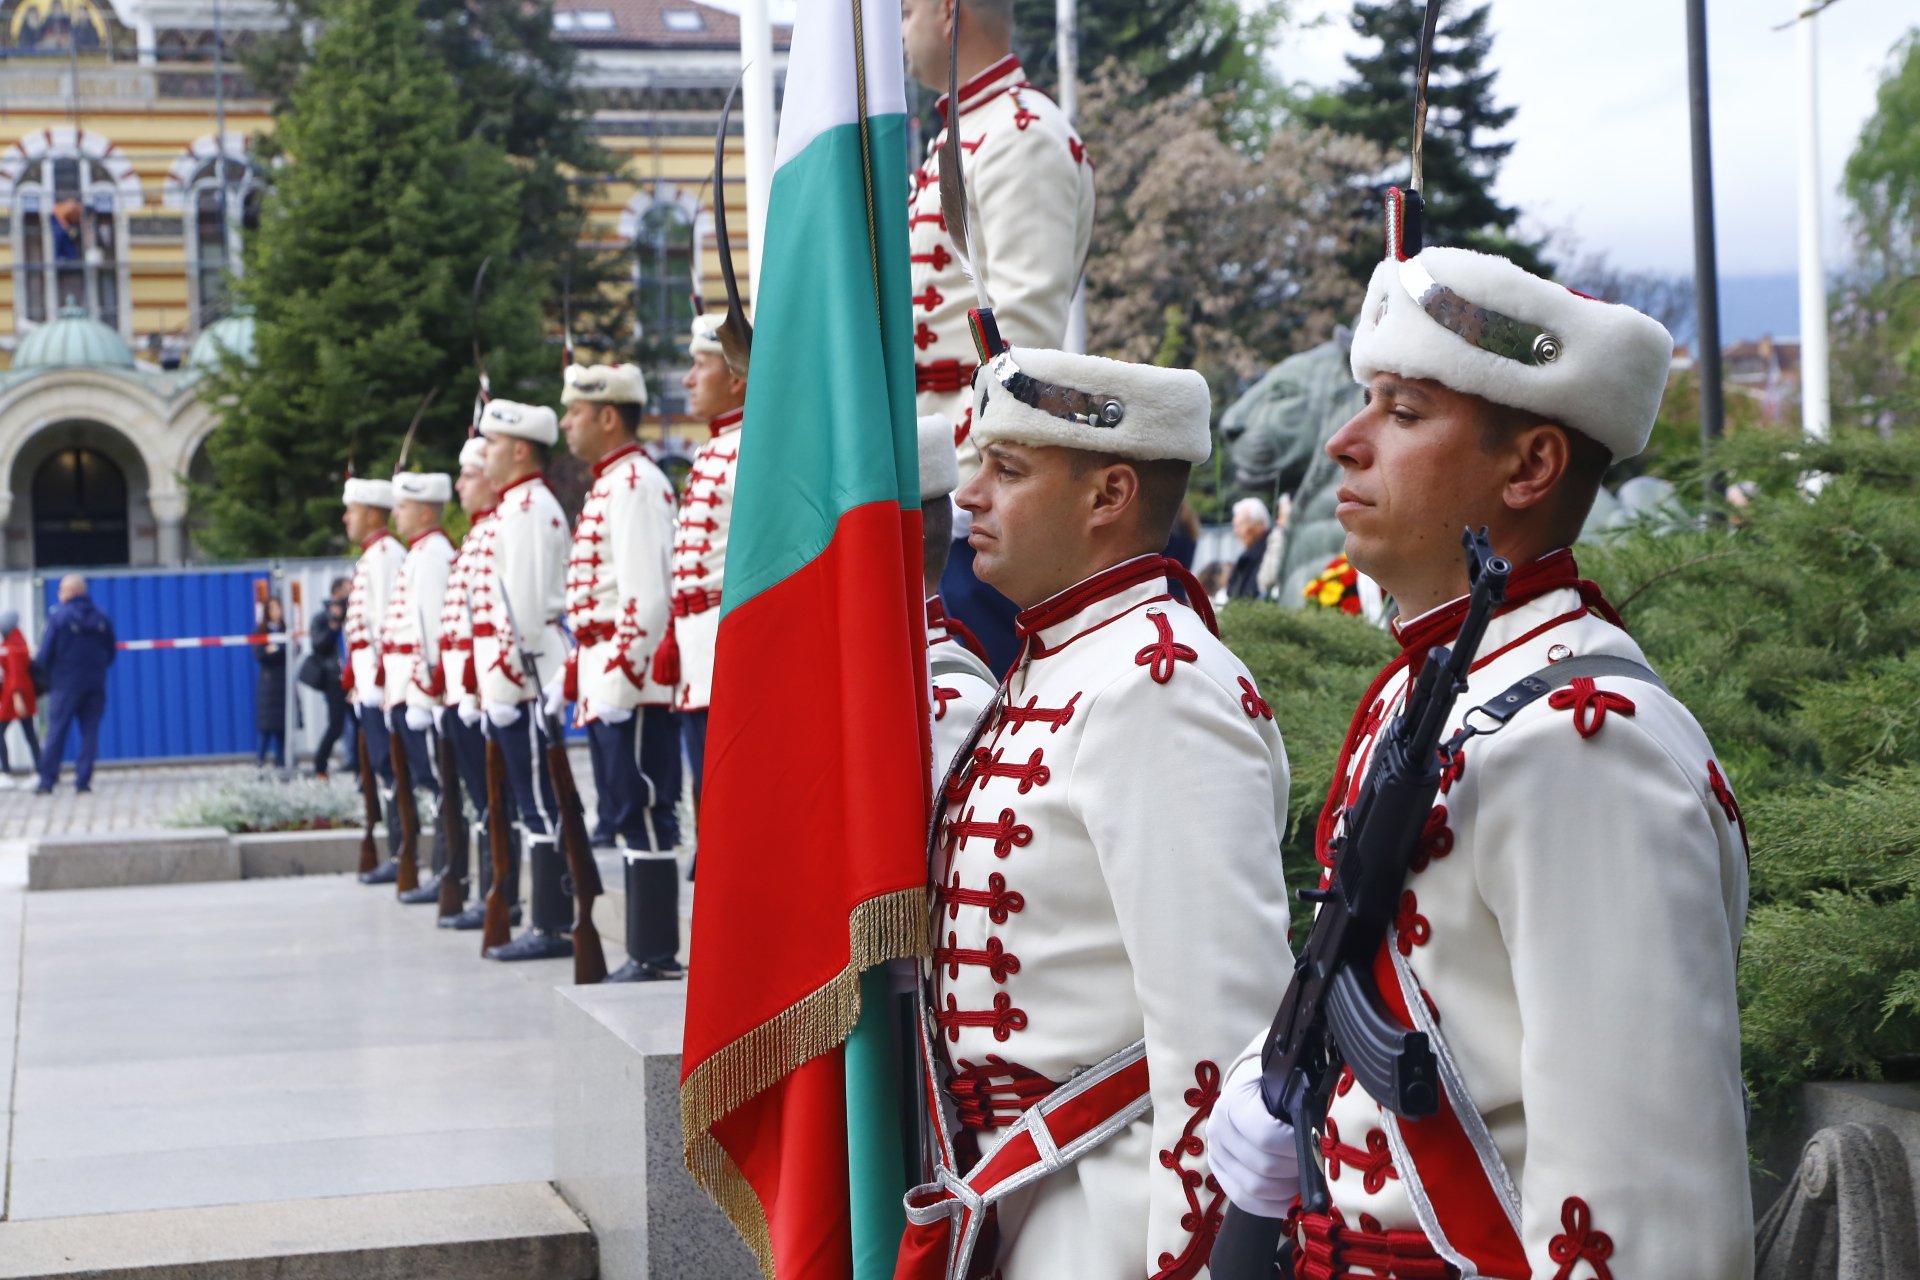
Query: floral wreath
x=1337 y=587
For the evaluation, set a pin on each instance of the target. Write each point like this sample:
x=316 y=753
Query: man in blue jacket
x=76 y=651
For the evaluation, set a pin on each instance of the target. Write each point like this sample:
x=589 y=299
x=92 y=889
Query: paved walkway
x=260 y=1040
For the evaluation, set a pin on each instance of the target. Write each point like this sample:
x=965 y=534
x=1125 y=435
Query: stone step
x=510 y=1232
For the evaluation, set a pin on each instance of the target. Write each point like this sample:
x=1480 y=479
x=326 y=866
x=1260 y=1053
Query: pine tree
x=1172 y=45
x=1462 y=155
x=359 y=278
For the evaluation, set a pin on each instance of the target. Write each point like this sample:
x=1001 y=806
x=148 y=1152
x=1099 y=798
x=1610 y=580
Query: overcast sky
x=1601 y=138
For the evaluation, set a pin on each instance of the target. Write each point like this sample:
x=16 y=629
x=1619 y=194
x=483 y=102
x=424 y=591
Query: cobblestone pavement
x=142 y=797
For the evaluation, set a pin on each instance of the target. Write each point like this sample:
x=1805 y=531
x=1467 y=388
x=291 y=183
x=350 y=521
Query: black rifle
x=1332 y=1014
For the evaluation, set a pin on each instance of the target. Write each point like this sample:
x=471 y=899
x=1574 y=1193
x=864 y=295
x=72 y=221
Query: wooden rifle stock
x=589 y=957
x=370 y=798
x=403 y=799
x=453 y=825
x=498 y=929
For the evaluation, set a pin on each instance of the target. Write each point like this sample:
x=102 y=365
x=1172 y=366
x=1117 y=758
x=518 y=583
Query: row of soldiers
x=616 y=616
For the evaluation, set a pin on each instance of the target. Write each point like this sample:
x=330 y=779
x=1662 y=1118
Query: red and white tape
x=205 y=642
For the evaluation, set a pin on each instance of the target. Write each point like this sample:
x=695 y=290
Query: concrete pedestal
x=617 y=1154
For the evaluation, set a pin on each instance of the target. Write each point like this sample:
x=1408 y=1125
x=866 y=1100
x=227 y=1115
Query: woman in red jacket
x=16 y=690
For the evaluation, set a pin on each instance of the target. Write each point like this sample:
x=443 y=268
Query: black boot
x=389 y=869
x=545 y=938
x=653 y=920
x=429 y=889
x=475 y=916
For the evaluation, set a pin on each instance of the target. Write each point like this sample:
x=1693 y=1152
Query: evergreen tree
x=1462 y=155
x=518 y=87
x=359 y=278
x=1172 y=45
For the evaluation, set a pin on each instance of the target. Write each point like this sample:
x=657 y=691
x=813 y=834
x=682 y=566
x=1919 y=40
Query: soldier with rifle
x=368 y=504
x=411 y=667
x=618 y=607
x=517 y=596
x=1511 y=1047
x=461 y=717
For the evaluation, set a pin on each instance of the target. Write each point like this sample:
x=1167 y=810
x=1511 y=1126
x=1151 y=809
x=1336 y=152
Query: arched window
x=79 y=510
x=663 y=296
x=221 y=207
x=68 y=230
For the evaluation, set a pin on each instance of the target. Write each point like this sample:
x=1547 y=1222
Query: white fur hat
x=431 y=487
x=474 y=453
x=706 y=337
x=605 y=383
x=1597 y=367
x=939 y=464
x=533 y=422
x=1032 y=396
x=364 y=492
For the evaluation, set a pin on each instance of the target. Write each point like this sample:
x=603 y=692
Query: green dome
x=74 y=340
x=233 y=334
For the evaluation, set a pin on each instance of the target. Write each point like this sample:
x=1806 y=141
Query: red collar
x=625 y=450
x=1108 y=582
x=526 y=479
x=485 y=513
x=423 y=536
x=725 y=422
x=1529 y=582
x=374 y=539
x=953 y=629
x=985 y=85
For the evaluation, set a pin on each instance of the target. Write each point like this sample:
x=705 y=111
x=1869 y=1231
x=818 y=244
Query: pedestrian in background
x=17 y=694
x=323 y=644
x=76 y=651
x=270 y=691
x=1251 y=526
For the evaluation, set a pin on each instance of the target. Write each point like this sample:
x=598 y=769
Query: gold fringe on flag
x=893 y=926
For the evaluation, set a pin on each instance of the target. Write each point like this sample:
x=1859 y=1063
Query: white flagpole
x=756 y=101
x=1815 y=413
x=1066 y=40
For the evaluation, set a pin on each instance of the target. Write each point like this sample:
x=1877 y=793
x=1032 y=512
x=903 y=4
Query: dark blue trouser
x=693 y=728
x=987 y=613
x=424 y=769
x=373 y=726
x=470 y=756
x=523 y=750
x=637 y=765
x=64 y=708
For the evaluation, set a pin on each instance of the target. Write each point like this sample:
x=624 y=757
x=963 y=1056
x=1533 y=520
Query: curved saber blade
x=485 y=391
x=736 y=334
x=1429 y=25
x=953 y=184
x=406 y=445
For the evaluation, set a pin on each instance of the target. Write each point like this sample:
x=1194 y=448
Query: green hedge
x=1791 y=634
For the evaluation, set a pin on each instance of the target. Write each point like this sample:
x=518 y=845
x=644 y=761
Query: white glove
x=503 y=713
x=553 y=698
x=469 y=714
x=419 y=719
x=613 y=715
x=1251 y=1153
x=440 y=719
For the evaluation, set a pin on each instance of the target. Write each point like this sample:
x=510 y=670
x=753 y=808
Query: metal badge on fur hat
x=1480 y=324
x=432 y=487
x=706 y=337
x=1032 y=396
x=604 y=384
x=364 y=492
x=474 y=453
x=939 y=463
x=533 y=422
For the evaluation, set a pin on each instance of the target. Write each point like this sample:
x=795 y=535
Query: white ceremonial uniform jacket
x=700 y=557
x=1109 y=869
x=1030 y=198
x=617 y=583
x=374 y=576
x=1573 y=920
x=460 y=680
x=520 y=576
x=962 y=683
x=407 y=652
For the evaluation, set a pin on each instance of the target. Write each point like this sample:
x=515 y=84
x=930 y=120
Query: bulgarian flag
x=813 y=824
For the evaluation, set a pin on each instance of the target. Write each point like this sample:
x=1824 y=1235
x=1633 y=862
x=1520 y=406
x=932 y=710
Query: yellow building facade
x=127 y=183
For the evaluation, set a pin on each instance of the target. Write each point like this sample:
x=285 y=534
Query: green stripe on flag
x=823 y=440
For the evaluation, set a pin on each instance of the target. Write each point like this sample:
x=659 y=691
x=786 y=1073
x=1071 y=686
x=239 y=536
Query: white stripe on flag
x=821 y=88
